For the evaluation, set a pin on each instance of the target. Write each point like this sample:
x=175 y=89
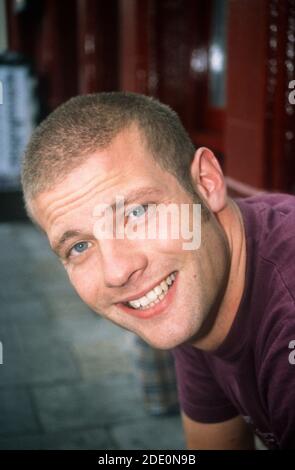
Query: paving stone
x=100 y=347
x=32 y=240
x=12 y=371
x=69 y=378
x=111 y=400
x=25 y=310
x=104 y=346
x=45 y=357
x=12 y=287
x=16 y=412
x=6 y=230
x=91 y=439
x=104 y=357
x=52 y=280
x=150 y=433
x=67 y=308
x=12 y=254
x=47 y=266
x=91 y=369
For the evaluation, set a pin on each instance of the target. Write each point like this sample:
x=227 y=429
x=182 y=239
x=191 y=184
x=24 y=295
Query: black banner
x=135 y=459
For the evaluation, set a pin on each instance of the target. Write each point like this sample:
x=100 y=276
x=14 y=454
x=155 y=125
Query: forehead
x=124 y=164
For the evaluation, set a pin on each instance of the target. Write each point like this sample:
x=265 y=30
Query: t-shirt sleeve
x=277 y=382
x=200 y=396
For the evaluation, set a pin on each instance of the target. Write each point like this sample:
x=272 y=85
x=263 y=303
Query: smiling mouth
x=154 y=296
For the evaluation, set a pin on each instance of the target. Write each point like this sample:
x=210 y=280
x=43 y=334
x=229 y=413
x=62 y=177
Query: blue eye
x=78 y=248
x=138 y=211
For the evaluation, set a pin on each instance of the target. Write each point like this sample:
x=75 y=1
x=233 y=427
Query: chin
x=166 y=342
x=161 y=345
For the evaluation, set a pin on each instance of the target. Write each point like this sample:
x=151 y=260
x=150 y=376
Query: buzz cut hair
x=87 y=123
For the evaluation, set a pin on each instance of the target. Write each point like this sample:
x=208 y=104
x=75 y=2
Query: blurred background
x=68 y=379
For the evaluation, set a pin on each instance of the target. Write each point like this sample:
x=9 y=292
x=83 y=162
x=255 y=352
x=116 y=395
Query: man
x=225 y=308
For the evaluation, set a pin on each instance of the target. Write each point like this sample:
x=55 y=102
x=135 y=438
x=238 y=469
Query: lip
x=145 y=291
x=157 y=309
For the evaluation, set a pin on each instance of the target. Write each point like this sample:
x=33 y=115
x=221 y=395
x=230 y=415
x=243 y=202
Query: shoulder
x=266 y=213
x=276 y=379
x=269 y=222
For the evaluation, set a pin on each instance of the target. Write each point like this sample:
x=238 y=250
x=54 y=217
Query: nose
x=120 y=262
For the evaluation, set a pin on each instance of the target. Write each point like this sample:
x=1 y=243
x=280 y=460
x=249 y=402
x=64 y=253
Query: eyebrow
x=128 y=198
x=69 y=234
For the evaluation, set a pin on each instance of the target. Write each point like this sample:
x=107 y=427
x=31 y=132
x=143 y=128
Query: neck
x=231 y=220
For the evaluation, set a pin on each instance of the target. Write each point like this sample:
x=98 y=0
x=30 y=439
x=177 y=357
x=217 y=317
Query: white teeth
x=169 y=281
x=154 y=296
x=144 y=301
x=151 y=295
x=134 y=303
x=164 y=286
x=158 y=290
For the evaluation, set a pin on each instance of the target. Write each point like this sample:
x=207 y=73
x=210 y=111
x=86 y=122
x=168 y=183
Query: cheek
x=170 y=246
x=162 y=245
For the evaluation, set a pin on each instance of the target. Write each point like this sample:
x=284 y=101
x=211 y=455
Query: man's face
x=107 y=273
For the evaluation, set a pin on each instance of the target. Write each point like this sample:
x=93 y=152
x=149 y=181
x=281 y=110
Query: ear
x=208 y=178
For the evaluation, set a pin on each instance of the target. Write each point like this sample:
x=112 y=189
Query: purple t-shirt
x=252 y=373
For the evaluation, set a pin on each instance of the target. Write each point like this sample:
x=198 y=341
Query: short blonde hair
x=88 y=123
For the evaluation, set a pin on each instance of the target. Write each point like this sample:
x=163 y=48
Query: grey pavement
x=69 y=378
